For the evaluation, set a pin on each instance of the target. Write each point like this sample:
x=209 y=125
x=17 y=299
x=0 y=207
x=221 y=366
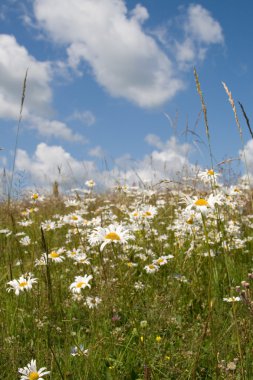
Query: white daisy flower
x=25 y=241
x=208 y=175
x=80 y=282
x=113 y=233
x=93 y=302
x=90 y=183
x=232 y=299
x=151 y=268
x=30 y=372
x=25 y=282
x=57 y=255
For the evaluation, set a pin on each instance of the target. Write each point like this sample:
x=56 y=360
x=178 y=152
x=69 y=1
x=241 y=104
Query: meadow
x=137 y=283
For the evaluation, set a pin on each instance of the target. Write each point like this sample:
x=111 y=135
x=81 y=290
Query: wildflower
x=232 y=299
x=25 y=223
x=93 y=302
x=158 y=339
x=25 y=241
x=90 y=183
x=30 y=372
x=80 y=282
x=151 y=268
x=143 y=324
x=73 y=219
x=79 y=351
x=162 y=260
x=208 y=175
x=35 y=197
x=41 y=261
x=113 y=233
x=48 y=225
x=25 y=282
x=203 y=204
x=149 y=212
x=57 y=255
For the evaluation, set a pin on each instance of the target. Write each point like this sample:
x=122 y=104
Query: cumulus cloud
x=97 y=151
x=247 y=154
x=202 y=26
x=53 y=163
x=53 y=129
x=125 y=60
x=14 y=61
x=200 y=31
x=85 y=117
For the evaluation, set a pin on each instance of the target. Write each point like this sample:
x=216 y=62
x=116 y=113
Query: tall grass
x=170 y=295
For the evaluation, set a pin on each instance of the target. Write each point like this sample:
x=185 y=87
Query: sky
x=110 y=92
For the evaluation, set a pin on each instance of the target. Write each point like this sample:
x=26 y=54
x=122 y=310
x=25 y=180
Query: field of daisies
x=151 y=283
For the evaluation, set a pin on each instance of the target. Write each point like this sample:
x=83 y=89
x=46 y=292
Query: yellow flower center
x=147 y=213
x=54 y=254
x=74 y=217
x=112 y=236
x=201 y=202
x=22 y=284
x=160 y=261
x=210 y=172
x=189 y=221
x=33 y=376
x=151 y=266
x=135 y=214
x=35 y=196
x=79 y=284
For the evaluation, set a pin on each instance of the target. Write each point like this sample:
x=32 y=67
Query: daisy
x=41 y=261
x=151 y=268
x=57 y=255
x=79 y=351
x=30 y=372
x=232 y=299
x=203 y=204
x=148 y=212
x=90 y=183
x=93 y=302
x=208 y=175
x=113 y=233
x=25 y=241
x=80 y=282
x=162 y=260
x=73 y=219
x=25 y=282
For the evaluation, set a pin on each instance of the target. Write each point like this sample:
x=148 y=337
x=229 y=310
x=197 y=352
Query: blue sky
x=110 y=86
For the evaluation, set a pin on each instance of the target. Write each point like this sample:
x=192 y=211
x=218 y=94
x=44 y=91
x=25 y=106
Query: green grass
x=176 y=326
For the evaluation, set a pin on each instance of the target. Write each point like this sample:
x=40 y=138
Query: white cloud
x=50 y=163
x=202 y=26
x=247 y=154
x=200 y=31
x=14 y=61
x=97 y=151
x=53 y=163
x=85 y=117
x=154 y=140
x=53 y=129
x=124 y=59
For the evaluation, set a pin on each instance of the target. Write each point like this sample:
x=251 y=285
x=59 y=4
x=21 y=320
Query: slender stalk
x=205 y=114
x=17 y=136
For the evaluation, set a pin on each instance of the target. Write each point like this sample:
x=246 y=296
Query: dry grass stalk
x=231 y=101
x=246 y=118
